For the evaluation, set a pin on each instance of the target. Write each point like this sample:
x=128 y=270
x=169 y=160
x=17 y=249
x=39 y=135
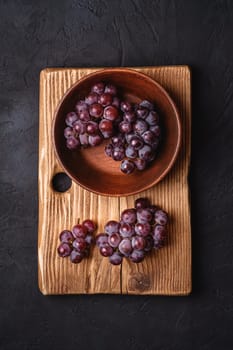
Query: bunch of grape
x=134 y=129
x=76 y=243
x=94 y=119
x=139 y=230
x=138 y=139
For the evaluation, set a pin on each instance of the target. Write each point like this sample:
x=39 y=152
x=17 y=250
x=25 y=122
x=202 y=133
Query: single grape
x=111 y=113
x=144 y=215
x=91 y=98
x=131 y=152
x=72 y=143
x=81 y=106
x=94 y=140
x=79 y=231
x=145 y=152
x=108 y=150
x=125 y=247
x=140 y=126
x=118 y=140
x=101 y=239
x=110 y=89
x=142 y=203
x=126 y=230
x=149 y=137
x=114 y=240
x=92 y=128
x=96 y=110
x=130 y=116
x=126 y=106
x=129 y=136
x=84 y=140
x=80 y=244
x=159 y=236
x=156 y=130
x=106 y=250
x=137 y=256
x=136 y=142
x=105 y=99
x=140 y=164
x=79 y=127
x=89 y=225
x=66 y=236
x=142 y=112
x=84 y=116
x=125 y=127
x=112 y=226
x=68 y=132
x=116 y=102
x=71 y=118
x=106 y=126
x=98 y=88
x=118 y=153
x=115 y=259
x=138 y=243
x=129 y=216
x=152 y=118
x=127 y=166
x=146 y=104
x=64 y=249
x=143 y=229
x=161 y=217
x=76 y=257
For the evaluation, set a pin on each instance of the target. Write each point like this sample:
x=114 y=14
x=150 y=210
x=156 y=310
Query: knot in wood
x=139 y=282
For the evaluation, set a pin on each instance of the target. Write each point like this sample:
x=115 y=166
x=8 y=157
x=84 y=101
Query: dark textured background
x=49 y=33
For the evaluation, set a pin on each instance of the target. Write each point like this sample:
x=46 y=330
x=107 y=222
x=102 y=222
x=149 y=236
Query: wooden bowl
x=90 y=167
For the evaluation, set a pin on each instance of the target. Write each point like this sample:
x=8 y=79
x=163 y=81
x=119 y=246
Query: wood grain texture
x=166 y=272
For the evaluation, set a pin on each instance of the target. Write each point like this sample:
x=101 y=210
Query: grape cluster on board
x=76 y=243
x=139 y=230
x=133 y=129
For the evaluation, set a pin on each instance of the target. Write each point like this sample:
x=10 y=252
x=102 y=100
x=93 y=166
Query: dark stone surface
x=49 y=33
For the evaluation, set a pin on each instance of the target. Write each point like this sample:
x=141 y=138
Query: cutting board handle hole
x=61 y=182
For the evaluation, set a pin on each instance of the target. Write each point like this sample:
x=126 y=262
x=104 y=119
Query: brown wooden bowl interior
x=91 y=168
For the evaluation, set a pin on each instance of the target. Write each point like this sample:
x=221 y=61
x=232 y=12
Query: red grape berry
x=105 y=99
x=98 y=88
x=64 y=249
x=96 y=110
x=66 y=236
x=71 y=118
x=127 y=166
x=72 y=143
x=79 y=231
x=90 y=225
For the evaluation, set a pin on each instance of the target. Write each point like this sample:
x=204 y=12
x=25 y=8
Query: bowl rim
x=160 y=87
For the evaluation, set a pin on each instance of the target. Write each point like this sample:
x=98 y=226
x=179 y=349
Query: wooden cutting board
x=166 y=272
